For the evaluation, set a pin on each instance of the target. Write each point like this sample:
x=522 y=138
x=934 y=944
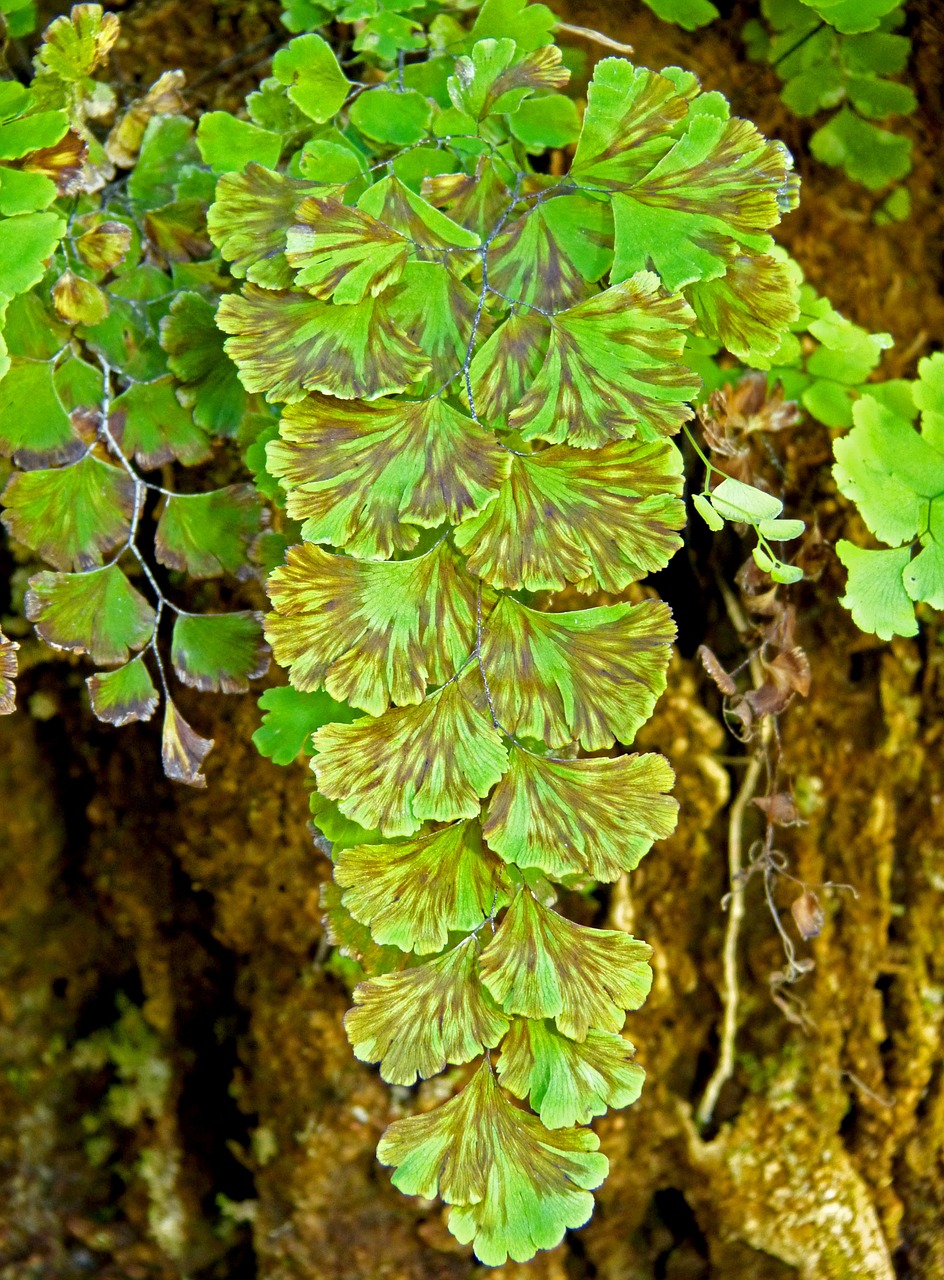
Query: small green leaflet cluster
x=838 y=56
x=744 y=504
x=895 y=476
x=480 y=371
x=824 y=361
x=114 y=377
x=687 y=14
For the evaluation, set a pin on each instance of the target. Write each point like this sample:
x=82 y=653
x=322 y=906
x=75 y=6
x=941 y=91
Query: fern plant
x=114 y=379
x=895 y=476
x=839 y=56
x=479 y=364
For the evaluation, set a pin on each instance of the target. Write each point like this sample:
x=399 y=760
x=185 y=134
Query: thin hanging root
x=596 y=37
x=731 y=990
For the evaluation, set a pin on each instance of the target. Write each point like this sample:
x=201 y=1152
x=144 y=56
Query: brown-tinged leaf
x=8 y=669
x=367 y=477
x=371 y=633
x=249 y=222
x=599 y=519
x=779 y=809
x=343 y=253
x=476 y=201
x=62 y=162
x=165 y=97
x=97 y=612
x=413 y=1023
x=287 y=344
x=435 y=762
x=506 y=365
x=79 y=301
x=182 y=749
x=542 y=965
x=126 y=694
x=104 y=245
x=613 y=369
x=591 y=676
x=177 y=232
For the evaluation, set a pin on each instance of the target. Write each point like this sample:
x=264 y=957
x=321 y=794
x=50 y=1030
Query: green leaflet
x=875 y=590
x=890 y=471
x=895 y=475
x=36 y=397
x=227 y=143
x=219 y=653
x=72 y=516
x=411 y=894
x=591 y=676
x=151 y=425
x=290 y=718
x=386 y=116
x=599 y=519
x=208 y=534
x=98 y=613
x=416 y=1021
x=580 y=977
x=550 y=121
x=568 y=1082
x=209 y=386
x=432 y=762
x=530 y=25
x=366 y=477
x=26 y=242
x=689 y=14
x=594 y=817
x=371 y=634
x=516 y=1187
x=316 y=84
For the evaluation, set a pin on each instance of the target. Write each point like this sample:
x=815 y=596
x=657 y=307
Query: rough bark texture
x=177 y=1096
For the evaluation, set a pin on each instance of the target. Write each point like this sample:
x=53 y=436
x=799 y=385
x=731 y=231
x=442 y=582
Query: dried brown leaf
x=8 y=669
x=807 y=915
x=716 y=672
x=182 y=749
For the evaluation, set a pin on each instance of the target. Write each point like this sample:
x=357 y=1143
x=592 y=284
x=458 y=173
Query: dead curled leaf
x=8 y=669
x=722 y=678
x=779 y=809
x=807 y=915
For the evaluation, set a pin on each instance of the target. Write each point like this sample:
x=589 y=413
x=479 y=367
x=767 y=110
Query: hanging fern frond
x=479 y=366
